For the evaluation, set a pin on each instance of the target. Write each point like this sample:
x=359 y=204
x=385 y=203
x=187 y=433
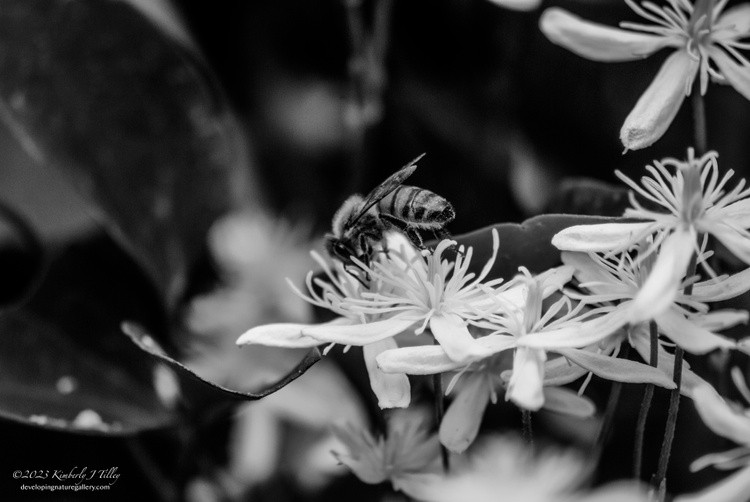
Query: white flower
x=732 y=422
x=695 y=201
x=624 y=280
x=526 y=380
x=393 y=391
x=517 y=4
x=408 y=456
x=505 y=469
x=428 y=291
x=700 y=33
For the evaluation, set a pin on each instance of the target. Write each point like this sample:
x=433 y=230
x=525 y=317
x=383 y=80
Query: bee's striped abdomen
x=418 y=207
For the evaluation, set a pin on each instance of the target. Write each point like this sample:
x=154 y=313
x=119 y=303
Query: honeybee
x=361 y=222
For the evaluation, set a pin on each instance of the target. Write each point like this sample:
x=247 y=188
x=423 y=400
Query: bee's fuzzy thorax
x=344 y=213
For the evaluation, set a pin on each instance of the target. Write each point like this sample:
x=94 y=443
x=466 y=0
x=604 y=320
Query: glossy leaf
x=199 y=392
x=526 y=244
x=133 y=116
x=65 y=365
x=590 y=197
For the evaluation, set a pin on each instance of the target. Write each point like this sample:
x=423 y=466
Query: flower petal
x=720 y=417
x=733 y=488
x=737 y=75
x=737 y=213
x=600 y=238
x=525 y=384
x=640 y=339
x=461 y=422
x=568 y=402
x=724 y=289
x=416 y=484
x=431 y=359
x=554 y=279
x=619 y=370
x=588 y=272
x=737 y=243
x=286 y=335
x=560 y=371
x=424 y=360
x=453 y=336
x=595 y=41
x=689 y=335
x=523 y=5
x=581 y=335
x=659 y=104
x=737 y=19
x=721 y=319
x=392 y=390
x=660 y=290
x=358 y=334
x=359 y=456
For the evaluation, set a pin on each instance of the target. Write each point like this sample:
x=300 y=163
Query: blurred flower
x=333 y=293
x=702 y=33
x=733 y=423
x=479 y=386
x=506 y=469
x=517 y=4
x=254 y=253
x=408 y=456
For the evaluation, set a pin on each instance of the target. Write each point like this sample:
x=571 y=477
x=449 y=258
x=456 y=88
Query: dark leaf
x=527 y=244
x=65 y=364
x=201 y=393
x=590 y=197
x=96 y=89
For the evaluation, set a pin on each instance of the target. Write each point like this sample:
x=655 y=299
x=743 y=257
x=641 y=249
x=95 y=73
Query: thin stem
x=527 y=432
x=700 y=135
x=674 y=399
x=437 y=382
x=648 y=395
x=674 y=404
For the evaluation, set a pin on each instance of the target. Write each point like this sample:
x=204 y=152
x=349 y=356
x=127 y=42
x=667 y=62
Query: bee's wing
x=390 y=184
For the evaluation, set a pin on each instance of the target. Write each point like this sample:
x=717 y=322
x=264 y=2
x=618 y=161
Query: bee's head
x=338 y=249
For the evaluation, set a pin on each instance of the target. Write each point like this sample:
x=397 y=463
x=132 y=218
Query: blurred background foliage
x=130 y=127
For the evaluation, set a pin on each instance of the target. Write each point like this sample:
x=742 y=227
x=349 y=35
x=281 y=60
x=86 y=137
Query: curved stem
x=648 y=395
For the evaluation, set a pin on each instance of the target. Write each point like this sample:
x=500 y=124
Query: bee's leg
x=407 y=229
x=441 y=234
x=355 y=273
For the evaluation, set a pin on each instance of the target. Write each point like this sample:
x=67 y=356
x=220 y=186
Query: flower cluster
x=649 y=280
x=700 y=34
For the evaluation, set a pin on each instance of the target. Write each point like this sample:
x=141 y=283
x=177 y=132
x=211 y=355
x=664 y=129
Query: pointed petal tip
x=659 y=104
